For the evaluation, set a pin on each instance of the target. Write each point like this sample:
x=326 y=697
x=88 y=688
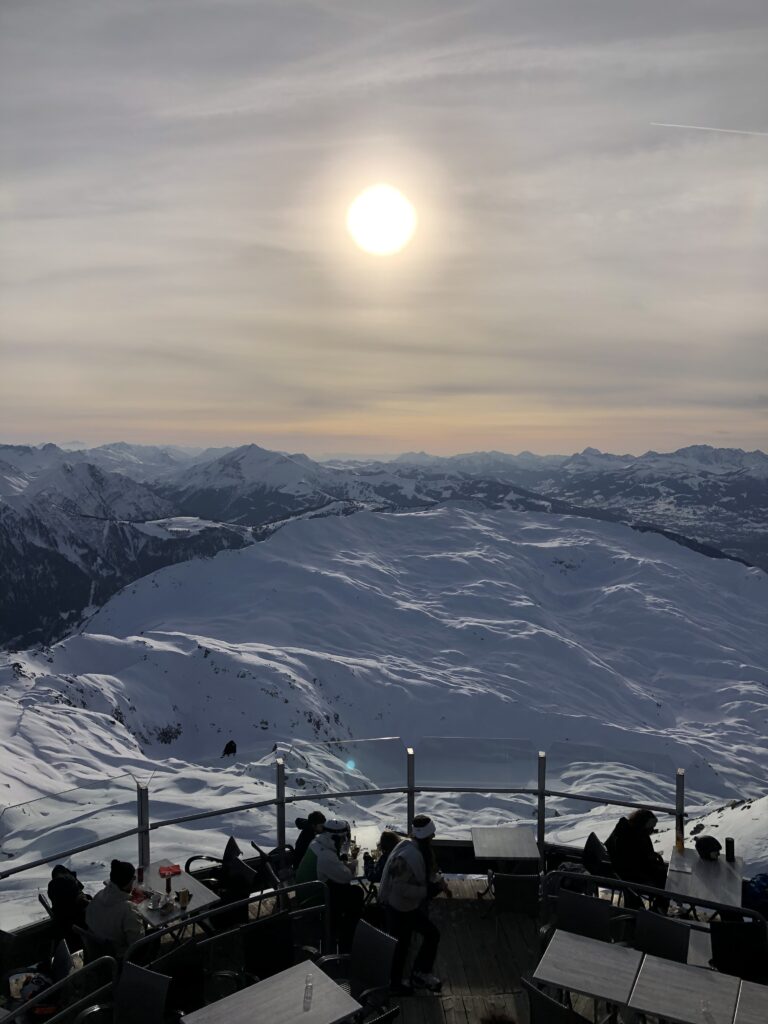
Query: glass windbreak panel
x=612 y=773
x=52 y=826
x=347 y=765
x=475 y=762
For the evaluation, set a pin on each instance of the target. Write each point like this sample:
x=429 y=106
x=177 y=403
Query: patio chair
x=386 y=1017
x=280 y=858
x=269 y=946
x=661 y=936
x=223 y=959
x=518 y=894
x=139 y=998
x=93 y=946
x=596 y=858
x=367 y=968
x=46 y=905
x=184 y=966
x=740 y=948
x=589 y=916
x=62 y=963
x=546 y=1010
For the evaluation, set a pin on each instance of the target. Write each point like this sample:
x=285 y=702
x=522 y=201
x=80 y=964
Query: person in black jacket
x=631 y=850
x=375 y=869
x=308 y=828
x=68 y=904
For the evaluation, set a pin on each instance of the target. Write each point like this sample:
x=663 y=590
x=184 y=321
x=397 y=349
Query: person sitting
x=308 y=829
x=410 y=879
x=374 y=869
x=111 y=915
x=631 y=850
x=324 y=862
x=68 y=904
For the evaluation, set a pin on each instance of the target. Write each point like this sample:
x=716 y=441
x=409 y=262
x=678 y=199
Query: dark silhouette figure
x=68 y=904
x=230 y=749
x=631 y=850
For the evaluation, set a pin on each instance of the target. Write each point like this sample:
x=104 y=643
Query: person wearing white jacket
x=322 y=862
x=409 y=880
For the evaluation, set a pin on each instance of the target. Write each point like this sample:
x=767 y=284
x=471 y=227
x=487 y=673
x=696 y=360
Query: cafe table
x=717 y=880
x=601 y=970
x=201 y=896
x=752 y=1004
x=684 y=994
x=513 y=843
x=280 y=1000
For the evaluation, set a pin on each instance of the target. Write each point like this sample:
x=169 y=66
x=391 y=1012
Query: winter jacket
x=404 y=883
x=321 y=863
x=113 y=918
x=306 y=834
x=632 y=853
x=68 y=901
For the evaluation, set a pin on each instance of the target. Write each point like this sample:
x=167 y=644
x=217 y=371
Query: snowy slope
x=623 y=655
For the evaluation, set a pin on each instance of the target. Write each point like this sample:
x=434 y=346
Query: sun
x=381 y=221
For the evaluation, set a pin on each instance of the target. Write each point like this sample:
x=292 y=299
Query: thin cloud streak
x=706 y=128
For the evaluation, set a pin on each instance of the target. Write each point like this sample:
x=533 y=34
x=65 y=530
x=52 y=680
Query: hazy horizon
x=589 y=263
x=323 y=455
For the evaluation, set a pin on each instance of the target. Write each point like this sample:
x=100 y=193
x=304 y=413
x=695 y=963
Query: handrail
x=72 y=979
x=156 y=935
x=410 y=789
x=642 y=889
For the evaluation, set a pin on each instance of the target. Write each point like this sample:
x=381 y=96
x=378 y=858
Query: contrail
x=706 y=128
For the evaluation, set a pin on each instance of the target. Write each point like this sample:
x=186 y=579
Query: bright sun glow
x=381 y=220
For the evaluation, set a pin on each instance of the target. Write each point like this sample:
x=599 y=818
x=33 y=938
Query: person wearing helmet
x=409 y=881
x=323 y=863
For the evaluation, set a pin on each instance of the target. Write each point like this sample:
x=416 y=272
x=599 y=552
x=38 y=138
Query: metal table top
x=505 y=842
x=684 y=994
x=593 y=968
x=280 y=1000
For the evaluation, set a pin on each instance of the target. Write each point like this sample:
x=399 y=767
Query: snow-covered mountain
x=717 y=496
x=252 y=486
x=622 y=654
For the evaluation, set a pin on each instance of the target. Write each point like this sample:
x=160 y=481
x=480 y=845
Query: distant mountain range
x=78 y=525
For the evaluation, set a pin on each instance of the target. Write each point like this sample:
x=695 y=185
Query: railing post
x=541 y=813
x=142 y=814
x=680 y=808
x=280 y=795
x=411 y=788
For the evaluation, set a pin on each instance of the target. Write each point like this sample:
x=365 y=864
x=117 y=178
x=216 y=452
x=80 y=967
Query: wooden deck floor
x=481 y=958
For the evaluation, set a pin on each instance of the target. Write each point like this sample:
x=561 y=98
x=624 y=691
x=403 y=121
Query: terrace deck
x=482 y=956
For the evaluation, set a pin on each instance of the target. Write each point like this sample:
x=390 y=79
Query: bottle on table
x=730 y=849
x=308 y=992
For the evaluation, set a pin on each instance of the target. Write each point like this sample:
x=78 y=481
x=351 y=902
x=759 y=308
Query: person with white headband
x=409 y=880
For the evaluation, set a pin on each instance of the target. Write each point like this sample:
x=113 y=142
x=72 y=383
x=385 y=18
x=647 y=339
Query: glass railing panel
x=476 y=761
x=94 y=810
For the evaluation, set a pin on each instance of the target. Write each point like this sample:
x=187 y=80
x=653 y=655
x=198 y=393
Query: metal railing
x=410 y=789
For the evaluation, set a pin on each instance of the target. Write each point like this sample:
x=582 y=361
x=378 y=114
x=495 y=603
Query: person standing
x=410 y=879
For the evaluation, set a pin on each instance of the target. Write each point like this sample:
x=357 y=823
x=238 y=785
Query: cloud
x=172 y=189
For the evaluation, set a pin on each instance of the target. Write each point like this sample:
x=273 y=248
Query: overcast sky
x=174 y=263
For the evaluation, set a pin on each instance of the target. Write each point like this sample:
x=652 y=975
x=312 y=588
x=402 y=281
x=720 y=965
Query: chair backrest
x=46 y=904
x=386 y=1017
x=371 y=958
x=740 y=948
x=184 y=965
x=596 y=858
x=546 y=1010
x=93 y=946
x=268 y=944
x=661 y=936
x=61 y=964
x=140 y=996
x=584 y=915
x=518 y=893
